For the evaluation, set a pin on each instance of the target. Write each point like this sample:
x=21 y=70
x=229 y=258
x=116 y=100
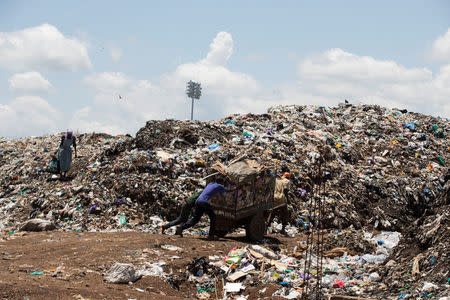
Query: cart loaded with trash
x=249 y=201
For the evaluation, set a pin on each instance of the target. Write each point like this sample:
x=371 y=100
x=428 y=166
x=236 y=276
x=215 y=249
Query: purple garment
x=209 y=191
x=69 y=134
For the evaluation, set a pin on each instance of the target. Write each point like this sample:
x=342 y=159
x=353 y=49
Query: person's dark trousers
x=200 y=209
x=283 y=215
x=183 y=217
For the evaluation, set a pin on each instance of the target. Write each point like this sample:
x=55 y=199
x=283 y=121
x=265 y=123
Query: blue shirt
x=209 y=191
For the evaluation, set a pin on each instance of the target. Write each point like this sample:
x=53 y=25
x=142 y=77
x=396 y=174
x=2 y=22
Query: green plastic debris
x=234 y=259
x=246 y=134
x=23 y=192
x=36 y=273
x=123 y=220
x=441 y=160
x=205 y=290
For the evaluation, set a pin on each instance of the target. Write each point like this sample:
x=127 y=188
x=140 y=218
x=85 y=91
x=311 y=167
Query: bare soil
x=84 y=257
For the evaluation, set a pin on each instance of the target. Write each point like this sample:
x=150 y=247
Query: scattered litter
x=233 y=287
x=36 y=273
x=171 y=248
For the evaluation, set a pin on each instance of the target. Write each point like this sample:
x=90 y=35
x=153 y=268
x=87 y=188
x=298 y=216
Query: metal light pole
x=194 y=91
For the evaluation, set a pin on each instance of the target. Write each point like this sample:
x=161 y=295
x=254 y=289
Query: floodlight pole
x=194 y=91
x=192 y=110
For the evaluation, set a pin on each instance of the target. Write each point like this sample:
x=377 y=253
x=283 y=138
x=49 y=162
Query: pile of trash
x=385 y=169
x=420 y=265
x=257 y=266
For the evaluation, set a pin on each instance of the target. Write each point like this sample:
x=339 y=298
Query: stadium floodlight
x=193 y=91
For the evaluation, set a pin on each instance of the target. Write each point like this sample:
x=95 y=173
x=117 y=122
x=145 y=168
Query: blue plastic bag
x=53 y=166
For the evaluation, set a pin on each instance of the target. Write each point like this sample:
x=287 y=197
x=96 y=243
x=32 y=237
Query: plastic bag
x=53 y=166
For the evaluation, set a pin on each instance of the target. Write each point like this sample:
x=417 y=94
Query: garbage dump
x=386 y=171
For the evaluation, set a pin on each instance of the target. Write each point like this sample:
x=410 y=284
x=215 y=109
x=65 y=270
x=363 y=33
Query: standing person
x=202 y=206
x=280 y=199
x=65 y=152
x=186 y=209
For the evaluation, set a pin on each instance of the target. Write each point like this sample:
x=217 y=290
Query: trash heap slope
x=422 y=257
x=384 y=167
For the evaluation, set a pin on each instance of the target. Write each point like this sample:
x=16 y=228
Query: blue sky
x=392 y=53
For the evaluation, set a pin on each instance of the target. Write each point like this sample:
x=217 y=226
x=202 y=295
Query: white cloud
x=142 y=100
x=29 y=82
x=27 y=115
x=336 y=63
x=42 y=48
x=336 y=74
x=324 y=79
x=441 y=48
x=116 y=54
x=84 y=120
x=108 y=82
x=122 y=104
x=220 y=49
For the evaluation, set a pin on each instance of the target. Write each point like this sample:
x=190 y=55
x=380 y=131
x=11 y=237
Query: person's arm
x=221 y=189
x=75 y=145
x=60 y=145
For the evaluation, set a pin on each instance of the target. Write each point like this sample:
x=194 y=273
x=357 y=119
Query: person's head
x=69 y=134
x=220 y=181
x=286 y=175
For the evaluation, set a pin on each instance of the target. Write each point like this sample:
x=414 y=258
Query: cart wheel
x=256 y=227
x=220 y=233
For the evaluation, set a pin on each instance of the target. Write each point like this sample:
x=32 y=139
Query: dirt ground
x=84 y=257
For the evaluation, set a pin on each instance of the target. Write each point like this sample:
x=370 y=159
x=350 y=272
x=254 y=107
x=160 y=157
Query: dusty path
x=83 y=257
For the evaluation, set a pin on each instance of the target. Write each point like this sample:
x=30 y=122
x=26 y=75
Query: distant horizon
x=130 y=63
